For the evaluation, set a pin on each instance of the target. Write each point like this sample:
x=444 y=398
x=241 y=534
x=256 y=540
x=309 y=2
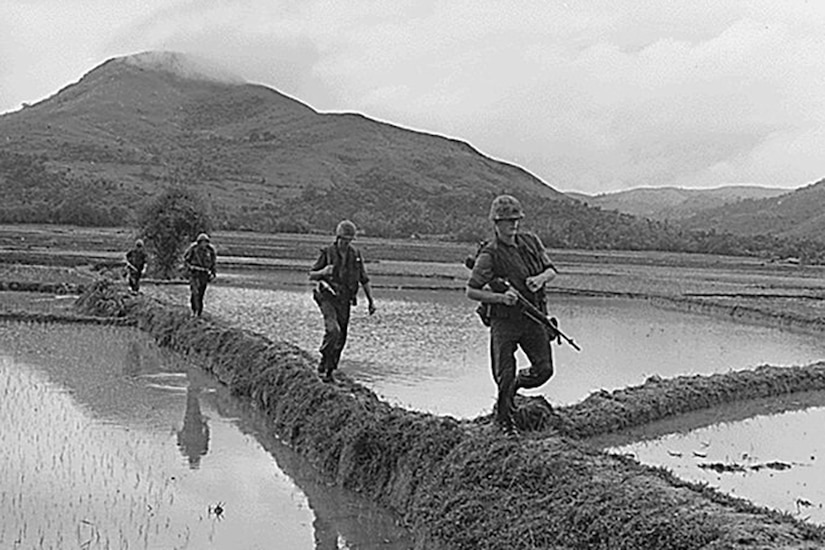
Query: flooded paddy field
x=769 y=451
x=109 y=442
x=437 y=361
x=426 y=350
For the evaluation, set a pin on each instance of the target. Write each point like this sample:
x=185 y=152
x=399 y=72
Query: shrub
x=168 y=223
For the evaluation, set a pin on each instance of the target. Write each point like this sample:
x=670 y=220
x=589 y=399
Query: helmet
x=506 y=207
x=202 y=237
x=345 y=229
x=139 y=243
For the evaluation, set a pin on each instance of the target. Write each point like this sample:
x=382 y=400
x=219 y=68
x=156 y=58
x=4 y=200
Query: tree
x=168 y=223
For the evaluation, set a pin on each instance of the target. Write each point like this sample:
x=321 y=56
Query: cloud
x=266 y=42
x=47 y=44
x=589 y=96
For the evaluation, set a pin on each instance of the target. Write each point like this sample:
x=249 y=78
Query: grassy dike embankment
x=461 y=485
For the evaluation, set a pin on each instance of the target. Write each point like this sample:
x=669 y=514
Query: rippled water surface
x=108 y=443
x=769 y=454
x=428 y=350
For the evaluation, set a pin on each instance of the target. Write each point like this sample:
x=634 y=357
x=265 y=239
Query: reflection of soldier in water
x=342 y=518
x=133 y=361
x=141 y=357
x=193 y=437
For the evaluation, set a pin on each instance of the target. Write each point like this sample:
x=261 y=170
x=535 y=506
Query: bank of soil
x=459 y=484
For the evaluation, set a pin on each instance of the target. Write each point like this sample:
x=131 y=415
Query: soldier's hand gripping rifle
x=527 y=307
x=532 y=312
x=193 y=267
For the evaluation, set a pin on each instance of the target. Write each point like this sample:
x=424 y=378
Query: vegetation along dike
x=104 y=167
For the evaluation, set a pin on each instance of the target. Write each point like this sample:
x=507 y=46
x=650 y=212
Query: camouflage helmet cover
x=202 y=237
x=345 y=229
x=506 y=207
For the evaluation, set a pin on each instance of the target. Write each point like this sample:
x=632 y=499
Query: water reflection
x=725 y=414
x=193 y=437
x=427 y=351
x=342 y=520
x=773 y=460
x=94 y=423
x=141 y=357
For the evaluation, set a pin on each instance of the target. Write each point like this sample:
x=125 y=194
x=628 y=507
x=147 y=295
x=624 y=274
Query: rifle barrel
x=537 y=315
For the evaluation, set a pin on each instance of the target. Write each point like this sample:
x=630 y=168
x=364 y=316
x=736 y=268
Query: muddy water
x=107 y=442
x=767 y=451
x=427 y=350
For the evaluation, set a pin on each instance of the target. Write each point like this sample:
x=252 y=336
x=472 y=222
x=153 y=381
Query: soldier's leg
x=199 y=296
x=204 y=284
x=332 y=334
x=193 y=294
x=503 y=339
x=536 y=345
x=343 y=314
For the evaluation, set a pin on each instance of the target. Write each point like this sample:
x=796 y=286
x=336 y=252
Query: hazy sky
x=592 y=96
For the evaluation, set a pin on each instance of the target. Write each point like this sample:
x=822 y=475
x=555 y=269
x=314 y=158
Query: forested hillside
x=97 y=151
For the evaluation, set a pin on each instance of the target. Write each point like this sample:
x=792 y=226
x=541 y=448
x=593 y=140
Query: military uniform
x=135 y=263
x=334 y=297
x=509 y=327
x=199 y=259
x=340 y=272
x=514 y=259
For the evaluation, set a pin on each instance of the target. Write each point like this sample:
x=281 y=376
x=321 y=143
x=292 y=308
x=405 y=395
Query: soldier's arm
x=477 y=286
x=187 y=258
x=549 y=273
x=364 y=279
x=320 y=269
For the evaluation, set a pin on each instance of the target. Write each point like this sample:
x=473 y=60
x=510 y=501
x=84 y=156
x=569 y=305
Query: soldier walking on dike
x=520 y=260
x=135 y=265
x=199 y=259
x=339 y=271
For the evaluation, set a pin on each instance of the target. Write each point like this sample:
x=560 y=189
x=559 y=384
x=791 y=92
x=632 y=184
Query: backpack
x=483 y=310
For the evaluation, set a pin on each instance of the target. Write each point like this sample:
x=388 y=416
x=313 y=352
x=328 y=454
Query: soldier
x=519 y=258
x=135 y=265
x=199 y=260
x=339 y=271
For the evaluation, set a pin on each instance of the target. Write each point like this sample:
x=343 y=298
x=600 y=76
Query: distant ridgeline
x=35 y=193
x=100 y=149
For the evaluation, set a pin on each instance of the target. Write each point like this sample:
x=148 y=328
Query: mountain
x=100 y=149
x=673 y=203
x=798 y=214
x=105 y=144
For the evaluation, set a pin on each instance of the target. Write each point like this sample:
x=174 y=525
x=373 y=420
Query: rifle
x=532 y=312
x=324 y=286
x=193 y=267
